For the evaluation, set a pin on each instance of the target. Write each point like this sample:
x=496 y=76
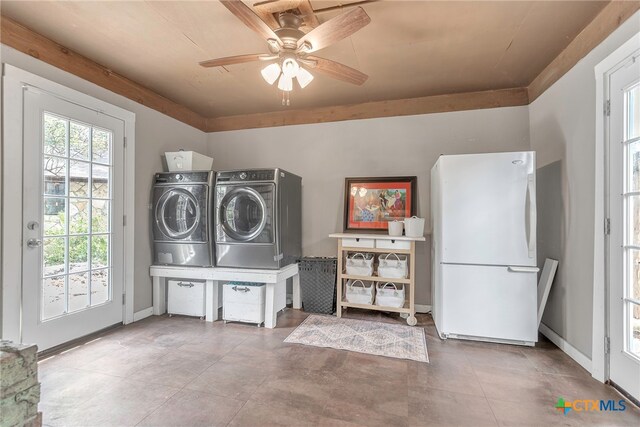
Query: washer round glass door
x=243 y=214
x=178 y=213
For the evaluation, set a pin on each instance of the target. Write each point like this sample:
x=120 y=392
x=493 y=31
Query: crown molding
x=27 y=41
x=610 y=17
x=369 y=110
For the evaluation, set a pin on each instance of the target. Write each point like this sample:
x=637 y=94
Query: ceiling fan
x=290 y=47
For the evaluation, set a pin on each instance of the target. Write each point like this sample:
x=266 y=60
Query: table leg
x=211 y=304
x=297 y=300
x=159 y=299
x=270 y=313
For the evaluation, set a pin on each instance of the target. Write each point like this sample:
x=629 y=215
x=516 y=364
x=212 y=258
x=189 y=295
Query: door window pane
x=76 y=216
x=101 y=146
x=634 y=220
x=100 y=180
x=53 y=296
x=55 y=135
x=634 y=328
x=100 y=216
x=79 y=135
x=79 y=179
x=99 y=286
x=634 y=166
x=54 y=250
x=634 y=271
x=99 y=251
x=78 y=292
x=78 y=253
x=54 y=216
x=55 y=176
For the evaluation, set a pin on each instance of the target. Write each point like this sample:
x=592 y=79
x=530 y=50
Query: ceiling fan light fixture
x=304 y=77
x=285 y=83
x=290 y=67
x=270 y=73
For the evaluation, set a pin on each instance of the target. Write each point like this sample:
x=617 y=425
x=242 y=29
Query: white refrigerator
x=483 y=220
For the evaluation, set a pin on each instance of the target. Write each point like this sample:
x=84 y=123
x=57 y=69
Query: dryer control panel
x=247 y=175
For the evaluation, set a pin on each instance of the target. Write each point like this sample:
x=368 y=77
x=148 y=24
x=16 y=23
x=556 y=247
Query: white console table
x=275 y=280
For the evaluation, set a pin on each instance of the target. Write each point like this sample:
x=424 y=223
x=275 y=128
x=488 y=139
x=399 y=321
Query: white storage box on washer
x=186 y=297
x=243 y=302
x=187 y=161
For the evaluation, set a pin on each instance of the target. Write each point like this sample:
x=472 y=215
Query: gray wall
x=324 y=154
x=155 y=133
x=562 y=126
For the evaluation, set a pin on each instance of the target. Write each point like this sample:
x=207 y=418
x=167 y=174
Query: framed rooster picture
x=370 y=203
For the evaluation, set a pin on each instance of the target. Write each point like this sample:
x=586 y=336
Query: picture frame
x=371 y=202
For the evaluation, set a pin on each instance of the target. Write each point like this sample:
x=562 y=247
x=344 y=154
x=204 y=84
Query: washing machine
x=182 y=218
x=258 y=218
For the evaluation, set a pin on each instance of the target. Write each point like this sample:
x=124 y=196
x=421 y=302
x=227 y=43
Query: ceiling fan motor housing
x=289 y=32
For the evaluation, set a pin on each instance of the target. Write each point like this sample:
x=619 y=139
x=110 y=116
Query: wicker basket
x=318 y=284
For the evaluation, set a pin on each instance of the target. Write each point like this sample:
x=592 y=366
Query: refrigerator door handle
x=517 y=269
x=531 y=216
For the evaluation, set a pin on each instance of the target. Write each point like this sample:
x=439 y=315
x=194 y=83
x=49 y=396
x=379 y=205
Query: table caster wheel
x=201 y=317
x=404 y=315
x=171 y=315
x=412 y=321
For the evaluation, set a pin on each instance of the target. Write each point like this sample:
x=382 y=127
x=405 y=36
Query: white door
x=488 y=209
x=72 y=220
x=624 y=241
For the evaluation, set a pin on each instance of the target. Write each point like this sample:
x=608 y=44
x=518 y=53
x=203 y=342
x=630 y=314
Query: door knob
x=34 y=243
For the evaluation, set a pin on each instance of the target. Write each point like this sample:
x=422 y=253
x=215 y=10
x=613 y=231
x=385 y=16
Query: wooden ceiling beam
x=368 y=110
x=610 y=18
x=27 y=41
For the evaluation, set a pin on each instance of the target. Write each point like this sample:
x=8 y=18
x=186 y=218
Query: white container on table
x=359 y=292
x=395 y=228
x=188 y=161
x=243 y=302
x=414 y=227
x=186 y=298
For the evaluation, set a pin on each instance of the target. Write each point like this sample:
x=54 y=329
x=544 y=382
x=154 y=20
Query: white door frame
x=599 y=359
x=14 y=79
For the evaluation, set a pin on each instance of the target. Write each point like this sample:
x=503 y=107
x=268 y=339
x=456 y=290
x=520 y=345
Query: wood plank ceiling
x=411 y=49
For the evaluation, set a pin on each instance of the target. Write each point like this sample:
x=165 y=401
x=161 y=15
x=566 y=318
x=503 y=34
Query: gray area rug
x=362 y=336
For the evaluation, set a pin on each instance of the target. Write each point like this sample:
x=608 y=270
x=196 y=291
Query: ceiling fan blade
x=250 y=19
x=334 y=30
x=239 y=59
x=337 y=70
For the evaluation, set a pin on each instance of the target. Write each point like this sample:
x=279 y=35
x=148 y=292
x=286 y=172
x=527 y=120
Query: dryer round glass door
x=243 y=214
x=178 y=213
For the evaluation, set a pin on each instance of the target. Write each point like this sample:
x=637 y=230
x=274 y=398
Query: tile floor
x=181 y=371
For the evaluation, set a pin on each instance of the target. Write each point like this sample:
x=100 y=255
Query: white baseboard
x=422 y=308
x=563 y=345
x=139 y=315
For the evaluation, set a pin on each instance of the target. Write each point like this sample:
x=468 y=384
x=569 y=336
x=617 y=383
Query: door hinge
x=607 y=345
x=124 y=220
x=125 y=141
x=607 y=108
x=607 y=226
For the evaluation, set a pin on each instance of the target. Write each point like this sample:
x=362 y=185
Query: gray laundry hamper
x=318 y=284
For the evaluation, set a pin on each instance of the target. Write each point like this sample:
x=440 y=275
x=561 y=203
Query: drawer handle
x=186 y=285
x=237 y=289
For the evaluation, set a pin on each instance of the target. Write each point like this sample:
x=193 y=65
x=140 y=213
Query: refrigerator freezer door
x=498 y=303
x=488 y=209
